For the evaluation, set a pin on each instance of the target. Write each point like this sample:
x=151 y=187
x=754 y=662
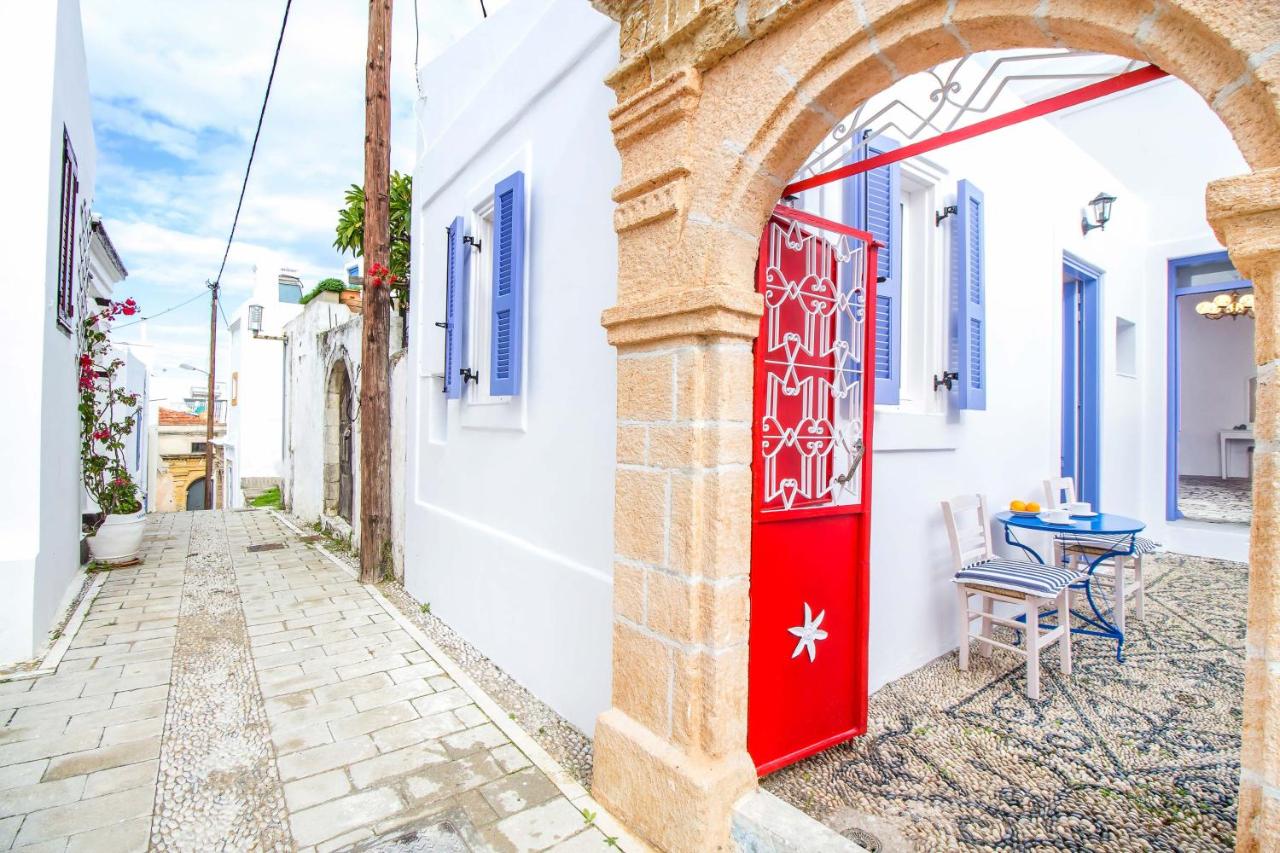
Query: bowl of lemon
x=1024 y=509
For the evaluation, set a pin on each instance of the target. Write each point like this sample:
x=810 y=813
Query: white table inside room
x=1224 y=438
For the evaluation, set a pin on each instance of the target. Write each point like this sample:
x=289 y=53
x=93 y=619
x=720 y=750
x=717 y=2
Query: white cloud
x=177 y=88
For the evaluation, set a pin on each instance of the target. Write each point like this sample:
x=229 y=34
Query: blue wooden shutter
x=507 y=331
x=969 y=298
x=455 y=297
x=875 y=199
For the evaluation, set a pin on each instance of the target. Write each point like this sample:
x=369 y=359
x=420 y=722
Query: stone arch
x=719 y=103
x=194 y=496
x=339 y=441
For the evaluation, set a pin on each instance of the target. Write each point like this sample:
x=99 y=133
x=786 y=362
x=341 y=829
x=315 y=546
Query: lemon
x=1018 y=506
x=1033 y=507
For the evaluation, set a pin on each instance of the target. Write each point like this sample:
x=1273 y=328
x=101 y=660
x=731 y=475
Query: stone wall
x=718 y=102
x=325 y=336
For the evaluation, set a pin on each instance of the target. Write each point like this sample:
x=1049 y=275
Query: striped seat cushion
x=1018 y=575
x=1141 y=544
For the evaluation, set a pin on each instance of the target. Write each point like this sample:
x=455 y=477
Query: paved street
x=216 y=697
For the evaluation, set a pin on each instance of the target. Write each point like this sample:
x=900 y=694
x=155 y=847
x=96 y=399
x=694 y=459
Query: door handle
x=858 y=450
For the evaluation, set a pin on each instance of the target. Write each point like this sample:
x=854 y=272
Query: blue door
x=1081 y=403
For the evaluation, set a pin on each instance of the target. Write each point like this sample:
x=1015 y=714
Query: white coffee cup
x=1079 y=508
x=1056 y=516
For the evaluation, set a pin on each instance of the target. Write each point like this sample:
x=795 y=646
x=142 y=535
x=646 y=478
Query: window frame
x=69 y=194
x=924 y=292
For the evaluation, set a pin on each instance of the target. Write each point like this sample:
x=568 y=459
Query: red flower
x=102 y=434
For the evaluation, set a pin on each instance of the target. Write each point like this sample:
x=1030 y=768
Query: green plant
x=588 y=816
x=327 y=285
x=349 y=234
x=270 y=499
x=102 y=430
x=426 y=607
x=611 y=841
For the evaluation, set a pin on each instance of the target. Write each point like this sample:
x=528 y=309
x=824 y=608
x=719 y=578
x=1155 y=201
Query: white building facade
x=50 y=165
x=509 y=505
x=255 y=445
x=509 y=490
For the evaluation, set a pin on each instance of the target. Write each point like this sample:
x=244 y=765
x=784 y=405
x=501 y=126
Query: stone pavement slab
x=215 y=697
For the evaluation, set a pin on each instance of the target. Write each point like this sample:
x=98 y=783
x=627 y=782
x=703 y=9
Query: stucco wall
x=323 y=335
x=508 y=529
x=41 y=46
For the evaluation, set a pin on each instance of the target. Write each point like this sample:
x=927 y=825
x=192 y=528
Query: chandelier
x=1232 y=305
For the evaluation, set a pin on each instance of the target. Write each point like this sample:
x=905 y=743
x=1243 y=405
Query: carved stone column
x=670 y=755
x=1245 y=214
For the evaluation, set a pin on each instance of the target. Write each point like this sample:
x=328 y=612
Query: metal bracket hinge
x=948 y=377
x=468 y=240
x=949 y=210
x=469 y=375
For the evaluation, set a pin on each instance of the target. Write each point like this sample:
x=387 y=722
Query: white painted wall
x=1168 y=144
x=42 y=58
x=509 y=526
x=134 y=373
x=1217 y=363
x=255 y=412
x=322 y=335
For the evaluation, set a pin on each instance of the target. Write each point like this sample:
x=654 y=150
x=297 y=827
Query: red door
x=811 y=472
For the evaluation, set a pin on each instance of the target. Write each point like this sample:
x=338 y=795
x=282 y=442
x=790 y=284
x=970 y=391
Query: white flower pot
x=119 y=539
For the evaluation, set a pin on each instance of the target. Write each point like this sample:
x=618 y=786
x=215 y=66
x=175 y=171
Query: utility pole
x=375 y=404
x=210 y=408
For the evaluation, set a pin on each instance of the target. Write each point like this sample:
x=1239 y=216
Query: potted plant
x=107 y=418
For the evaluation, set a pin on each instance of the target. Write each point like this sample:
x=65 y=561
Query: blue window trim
x=506 y=364
x=968 y=333
x=1087 y=286
x=1173 y=371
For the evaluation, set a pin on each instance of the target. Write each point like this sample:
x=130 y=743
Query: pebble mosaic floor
x=1140 y=755
x=1227 y=501
x=221 y=698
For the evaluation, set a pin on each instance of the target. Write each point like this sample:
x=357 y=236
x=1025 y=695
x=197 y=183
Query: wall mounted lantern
x=1233 y=305
x=1101 y=205
x=255 y=325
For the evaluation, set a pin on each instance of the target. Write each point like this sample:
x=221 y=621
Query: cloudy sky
x=176 y=92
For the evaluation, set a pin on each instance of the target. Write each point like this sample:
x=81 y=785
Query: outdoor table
x=1124 y=534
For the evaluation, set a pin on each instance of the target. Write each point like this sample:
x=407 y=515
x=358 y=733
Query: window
x=199 y=446
x=67 y=235
x=922 y=331
x=290 y=293
x=480 y=331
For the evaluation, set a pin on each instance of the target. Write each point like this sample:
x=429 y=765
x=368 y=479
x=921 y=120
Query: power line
x=254 y=148
x=160 y=313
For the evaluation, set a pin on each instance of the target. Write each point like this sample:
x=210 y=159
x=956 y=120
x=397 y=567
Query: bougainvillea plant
x=108 y=414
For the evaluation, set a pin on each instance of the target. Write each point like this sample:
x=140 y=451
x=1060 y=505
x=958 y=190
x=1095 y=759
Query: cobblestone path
x=218 y=698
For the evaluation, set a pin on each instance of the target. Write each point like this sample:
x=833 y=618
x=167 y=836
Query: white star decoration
x=809 y=633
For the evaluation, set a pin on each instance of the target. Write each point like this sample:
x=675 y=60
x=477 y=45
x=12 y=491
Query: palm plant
x=350 y=231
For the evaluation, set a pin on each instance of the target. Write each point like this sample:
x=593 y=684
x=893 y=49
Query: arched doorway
x=196 y=495
x=719 y=104
x=339 y=442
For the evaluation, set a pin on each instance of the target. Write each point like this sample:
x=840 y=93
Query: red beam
x=1084 y=94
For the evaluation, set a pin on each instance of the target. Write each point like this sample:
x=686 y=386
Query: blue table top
x=1104 y=522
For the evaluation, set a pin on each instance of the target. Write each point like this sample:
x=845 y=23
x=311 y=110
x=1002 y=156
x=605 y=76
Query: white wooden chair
x=1077 y=549
x=1024 y=584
